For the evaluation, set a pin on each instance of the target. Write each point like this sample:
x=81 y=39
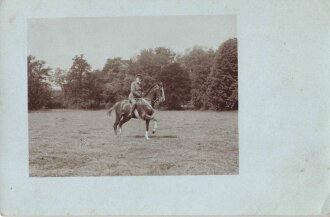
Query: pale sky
x=58 y=40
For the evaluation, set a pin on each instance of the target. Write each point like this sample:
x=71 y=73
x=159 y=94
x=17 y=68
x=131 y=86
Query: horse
x=144 y=109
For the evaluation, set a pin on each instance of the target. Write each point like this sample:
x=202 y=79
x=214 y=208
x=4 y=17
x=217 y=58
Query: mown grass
x=82 y=143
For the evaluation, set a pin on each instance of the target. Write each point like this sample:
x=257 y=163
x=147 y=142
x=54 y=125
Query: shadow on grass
x=153 y=136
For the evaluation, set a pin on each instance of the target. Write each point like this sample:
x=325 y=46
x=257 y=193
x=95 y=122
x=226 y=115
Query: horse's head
x=156 y=93
x=160 y=94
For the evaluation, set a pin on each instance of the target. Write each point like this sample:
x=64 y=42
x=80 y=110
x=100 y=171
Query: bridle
x=155 y=99
x=159 y=98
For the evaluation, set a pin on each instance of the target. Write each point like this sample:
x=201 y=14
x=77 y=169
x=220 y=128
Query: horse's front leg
x=147 y=129
x=148 y=117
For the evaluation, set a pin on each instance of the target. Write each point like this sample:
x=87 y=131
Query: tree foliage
x=200 y=77
x=112 y=79
x=150 y=62
x=80 y=88
x=178 y=82
x=222 y=83
x=198 y=62
x=39 y=91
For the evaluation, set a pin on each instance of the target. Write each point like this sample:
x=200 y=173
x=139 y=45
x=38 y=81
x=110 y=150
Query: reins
x=152 y=101
x=148 y=91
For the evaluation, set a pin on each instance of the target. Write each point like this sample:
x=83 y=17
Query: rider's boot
x=131 y=113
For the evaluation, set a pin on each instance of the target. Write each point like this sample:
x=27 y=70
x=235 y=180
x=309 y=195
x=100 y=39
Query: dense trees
x=76 y=89
x=177 y=81
x=114 y=79
x=222 y=83
x=198 y=62
x=39 y=90
x=200 y=77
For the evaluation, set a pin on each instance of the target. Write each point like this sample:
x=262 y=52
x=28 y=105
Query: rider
x=136 y=92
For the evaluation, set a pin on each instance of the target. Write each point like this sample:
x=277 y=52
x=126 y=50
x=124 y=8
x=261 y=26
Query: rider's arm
x=135 y=91
x=137 y=94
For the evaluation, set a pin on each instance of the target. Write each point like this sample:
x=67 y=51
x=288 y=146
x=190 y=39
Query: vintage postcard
x=164 y=108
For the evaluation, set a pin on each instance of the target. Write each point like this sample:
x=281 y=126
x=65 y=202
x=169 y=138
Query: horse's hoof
x=154 y=131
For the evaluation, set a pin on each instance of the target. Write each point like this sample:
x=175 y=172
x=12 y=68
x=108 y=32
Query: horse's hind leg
x=116 y=123
x=123 y=121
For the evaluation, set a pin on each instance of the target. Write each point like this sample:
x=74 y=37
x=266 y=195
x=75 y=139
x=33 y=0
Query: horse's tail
x=110 y=110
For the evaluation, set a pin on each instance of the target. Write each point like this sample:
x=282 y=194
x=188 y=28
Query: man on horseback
x=125 y=109
x=136 y=92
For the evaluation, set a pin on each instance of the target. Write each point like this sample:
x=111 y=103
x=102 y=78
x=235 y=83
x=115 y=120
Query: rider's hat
x=138 y=76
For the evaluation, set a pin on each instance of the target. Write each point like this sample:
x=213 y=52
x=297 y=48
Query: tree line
x=199 y=78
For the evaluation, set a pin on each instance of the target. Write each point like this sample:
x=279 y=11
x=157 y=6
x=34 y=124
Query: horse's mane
x=149 y=89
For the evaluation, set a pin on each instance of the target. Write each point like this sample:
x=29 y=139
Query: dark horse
x=144 y=108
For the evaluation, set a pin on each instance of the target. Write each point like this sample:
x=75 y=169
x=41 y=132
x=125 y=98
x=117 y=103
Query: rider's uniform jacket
x=136 y=91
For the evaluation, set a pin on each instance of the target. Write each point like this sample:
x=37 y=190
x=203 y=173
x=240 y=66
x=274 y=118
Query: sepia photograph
x=133 y=96
x=168 y=107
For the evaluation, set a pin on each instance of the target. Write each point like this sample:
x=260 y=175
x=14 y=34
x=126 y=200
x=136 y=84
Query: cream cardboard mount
x=283 y=49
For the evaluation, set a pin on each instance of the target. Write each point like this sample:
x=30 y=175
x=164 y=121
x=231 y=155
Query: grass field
x=82 y=143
